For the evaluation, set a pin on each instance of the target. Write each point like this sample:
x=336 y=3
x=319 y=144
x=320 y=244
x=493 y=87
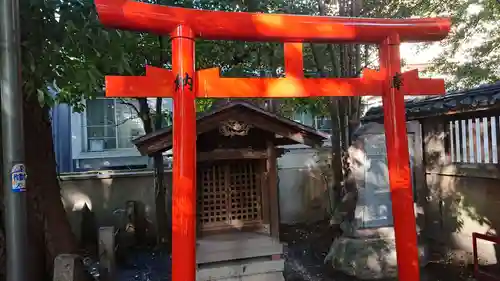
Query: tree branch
x=131 y=105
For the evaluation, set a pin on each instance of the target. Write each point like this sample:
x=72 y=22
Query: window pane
x=95 y=114
x=129 y=131
x=110 y=143
x=100 y=112
x=99 y=144
x=95 y=132
x=125 y=143
x=126 y=112
x=101 y=132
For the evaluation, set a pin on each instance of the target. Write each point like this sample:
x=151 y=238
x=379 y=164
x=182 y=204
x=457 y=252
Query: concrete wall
x=302 y=191
x=461 y=199
x=107 y=194
x=453 y=200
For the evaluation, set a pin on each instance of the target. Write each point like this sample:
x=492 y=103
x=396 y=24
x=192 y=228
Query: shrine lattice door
x=230 y=196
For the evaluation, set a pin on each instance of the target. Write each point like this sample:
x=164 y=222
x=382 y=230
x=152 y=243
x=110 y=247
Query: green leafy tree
x=469 y=56
x=471 y=52
x=66 y=48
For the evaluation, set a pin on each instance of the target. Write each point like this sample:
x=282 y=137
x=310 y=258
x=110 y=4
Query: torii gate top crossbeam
x=215 y=25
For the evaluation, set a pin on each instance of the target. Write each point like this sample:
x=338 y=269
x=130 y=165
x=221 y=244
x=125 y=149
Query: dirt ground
x=306 y=248
x=145 y=265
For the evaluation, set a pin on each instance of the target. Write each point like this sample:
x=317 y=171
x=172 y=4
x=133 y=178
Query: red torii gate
x=184 y=84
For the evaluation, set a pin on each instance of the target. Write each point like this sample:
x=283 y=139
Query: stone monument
x=367 y=248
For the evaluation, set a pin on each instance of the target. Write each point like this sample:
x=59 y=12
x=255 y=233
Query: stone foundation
x=240 y=256
x=371 y=254
x=250 y=270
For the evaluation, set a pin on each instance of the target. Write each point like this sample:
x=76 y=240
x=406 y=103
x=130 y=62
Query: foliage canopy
x=68 y=49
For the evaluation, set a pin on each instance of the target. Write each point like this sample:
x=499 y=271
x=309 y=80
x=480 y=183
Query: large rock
x=371 y=254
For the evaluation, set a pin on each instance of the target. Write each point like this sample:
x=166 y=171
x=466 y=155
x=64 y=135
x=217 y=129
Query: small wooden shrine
x=237 y=151
x=237 y=173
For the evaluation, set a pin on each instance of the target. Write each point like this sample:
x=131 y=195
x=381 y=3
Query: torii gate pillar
x=398 y=160
x=184 y=151
x=184 y=85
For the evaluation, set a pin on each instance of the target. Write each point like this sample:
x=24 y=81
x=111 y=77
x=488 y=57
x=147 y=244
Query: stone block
x=68 y=267
x=239 y=246
x=258 y=270
x=107 y=250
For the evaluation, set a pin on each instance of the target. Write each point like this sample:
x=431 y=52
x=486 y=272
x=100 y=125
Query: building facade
x=100 y=136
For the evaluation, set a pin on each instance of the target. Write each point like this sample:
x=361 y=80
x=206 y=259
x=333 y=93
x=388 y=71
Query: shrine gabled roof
x=476 y=99
x=293 y=132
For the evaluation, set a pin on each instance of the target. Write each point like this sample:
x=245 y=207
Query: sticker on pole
x=18 y=178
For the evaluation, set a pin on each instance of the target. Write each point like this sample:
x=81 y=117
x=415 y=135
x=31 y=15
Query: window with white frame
x=110 y=124
x=474 y=140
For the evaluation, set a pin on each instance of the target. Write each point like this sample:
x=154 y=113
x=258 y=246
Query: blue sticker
x=18 y=178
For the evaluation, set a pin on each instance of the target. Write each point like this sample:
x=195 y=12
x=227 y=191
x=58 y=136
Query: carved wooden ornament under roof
x=231 y=128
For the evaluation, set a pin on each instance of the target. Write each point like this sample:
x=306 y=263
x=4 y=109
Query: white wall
x=301 y=191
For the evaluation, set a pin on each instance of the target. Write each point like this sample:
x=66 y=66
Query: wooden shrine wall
x=231 y=195
x=256 y=139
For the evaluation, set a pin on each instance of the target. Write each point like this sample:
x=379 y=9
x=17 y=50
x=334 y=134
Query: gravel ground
x=308 y=245
x=145 y=265
x=304 y=254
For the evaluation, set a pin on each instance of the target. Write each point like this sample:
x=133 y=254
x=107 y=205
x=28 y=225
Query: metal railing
x=478 y=273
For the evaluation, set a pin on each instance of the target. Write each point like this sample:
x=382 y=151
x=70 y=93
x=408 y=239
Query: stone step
x=250 y=270
x=221 y=248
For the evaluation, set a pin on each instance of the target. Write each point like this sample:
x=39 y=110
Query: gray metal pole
x=14 y=172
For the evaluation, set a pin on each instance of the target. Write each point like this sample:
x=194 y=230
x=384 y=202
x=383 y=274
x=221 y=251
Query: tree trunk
x=335 y=113
x=345 y=60
x=145 y=115
x=336 y=142
x=49 y=230
x=162 y=206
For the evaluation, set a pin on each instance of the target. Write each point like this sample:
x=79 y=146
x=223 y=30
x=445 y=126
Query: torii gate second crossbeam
x=183 y=84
